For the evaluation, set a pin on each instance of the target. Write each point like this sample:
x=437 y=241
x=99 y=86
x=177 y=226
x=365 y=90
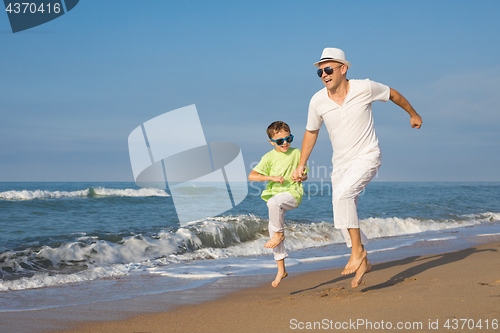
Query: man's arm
x=308 y=143
x=399 y=100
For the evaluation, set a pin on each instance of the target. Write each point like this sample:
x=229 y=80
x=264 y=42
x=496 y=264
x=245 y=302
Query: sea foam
x=89 y=258
x=89 y=192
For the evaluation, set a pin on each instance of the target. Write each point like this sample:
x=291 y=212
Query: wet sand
x=455 y=291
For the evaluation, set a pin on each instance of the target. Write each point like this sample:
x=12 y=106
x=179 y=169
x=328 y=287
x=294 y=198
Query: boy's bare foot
x=279 y=277
x=365 y=267
x=275 y=241
x=354 y=262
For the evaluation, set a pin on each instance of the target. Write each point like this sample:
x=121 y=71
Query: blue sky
x=73 y=89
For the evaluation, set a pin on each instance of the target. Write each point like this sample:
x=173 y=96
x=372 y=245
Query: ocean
x=71 y=243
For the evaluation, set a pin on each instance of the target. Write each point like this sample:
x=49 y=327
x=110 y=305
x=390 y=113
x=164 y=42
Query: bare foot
x=354 y=263
x=275 y=241
x=365 y=267
x=278 y=279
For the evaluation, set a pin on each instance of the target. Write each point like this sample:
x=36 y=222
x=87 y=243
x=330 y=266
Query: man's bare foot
x=279 y=277
x=354 y=263
x=365 y=267
x=275 y=241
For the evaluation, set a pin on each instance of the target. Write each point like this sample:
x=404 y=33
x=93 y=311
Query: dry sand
x=419 y=294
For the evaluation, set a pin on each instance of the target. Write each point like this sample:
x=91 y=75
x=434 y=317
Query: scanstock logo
x=170 y=152
x=26 y=15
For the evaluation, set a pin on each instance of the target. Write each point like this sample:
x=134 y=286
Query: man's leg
x=347 y=237
x=347 y=186
x=365 y=267
x=358 y=252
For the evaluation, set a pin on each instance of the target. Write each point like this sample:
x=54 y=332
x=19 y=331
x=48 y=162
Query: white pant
x=347 y=184
x=278 y=205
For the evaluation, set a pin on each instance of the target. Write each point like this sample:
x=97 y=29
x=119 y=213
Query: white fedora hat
x=333 y=54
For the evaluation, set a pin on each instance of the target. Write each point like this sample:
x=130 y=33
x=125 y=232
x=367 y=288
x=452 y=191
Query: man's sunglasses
x=328 y=70
x=280 y=142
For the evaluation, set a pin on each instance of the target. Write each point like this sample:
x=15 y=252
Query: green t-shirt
x=281 y=164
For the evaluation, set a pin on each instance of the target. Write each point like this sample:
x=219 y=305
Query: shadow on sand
x=427 y=262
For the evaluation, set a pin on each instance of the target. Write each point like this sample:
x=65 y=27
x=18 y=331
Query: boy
x=281 y=192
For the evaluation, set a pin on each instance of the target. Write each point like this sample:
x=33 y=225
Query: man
x=345 y=108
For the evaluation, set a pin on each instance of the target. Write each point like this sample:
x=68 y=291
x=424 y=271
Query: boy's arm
x=254 y=176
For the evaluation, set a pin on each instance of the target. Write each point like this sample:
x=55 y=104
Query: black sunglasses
x=328 y=70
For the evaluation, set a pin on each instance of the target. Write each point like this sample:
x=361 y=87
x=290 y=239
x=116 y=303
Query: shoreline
x=422 y=288
x=428 y=289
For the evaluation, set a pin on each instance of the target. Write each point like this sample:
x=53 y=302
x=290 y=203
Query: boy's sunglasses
x=280 y=142
x=328 y=70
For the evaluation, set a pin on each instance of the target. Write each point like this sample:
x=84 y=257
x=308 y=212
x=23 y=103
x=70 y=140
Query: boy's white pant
x=278 y=205
x=347 y=184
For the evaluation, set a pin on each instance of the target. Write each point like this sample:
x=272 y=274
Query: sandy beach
x=456 y=291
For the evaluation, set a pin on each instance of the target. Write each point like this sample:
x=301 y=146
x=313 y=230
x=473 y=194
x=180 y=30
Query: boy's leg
x=279 y=251
x=278 y=205
x=281 y=273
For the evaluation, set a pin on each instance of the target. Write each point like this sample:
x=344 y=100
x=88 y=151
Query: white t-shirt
x=349 y=125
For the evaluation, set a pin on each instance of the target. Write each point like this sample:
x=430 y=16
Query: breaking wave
x=90 y=257
x=89 y=192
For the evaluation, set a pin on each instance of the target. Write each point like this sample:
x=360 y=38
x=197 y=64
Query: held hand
x=416 y=121
x=298 y=174
x=278 y=179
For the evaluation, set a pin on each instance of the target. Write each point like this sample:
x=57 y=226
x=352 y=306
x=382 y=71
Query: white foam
x=191 y=275
x=325 y=258
x=99 y=191
x=488 y=216
x=394 y=226
x=41 y=280
x=483 y=235
x=220 y=268
x=143 y=192
x=219 y=238
x=39 y=194
x=439 y=239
